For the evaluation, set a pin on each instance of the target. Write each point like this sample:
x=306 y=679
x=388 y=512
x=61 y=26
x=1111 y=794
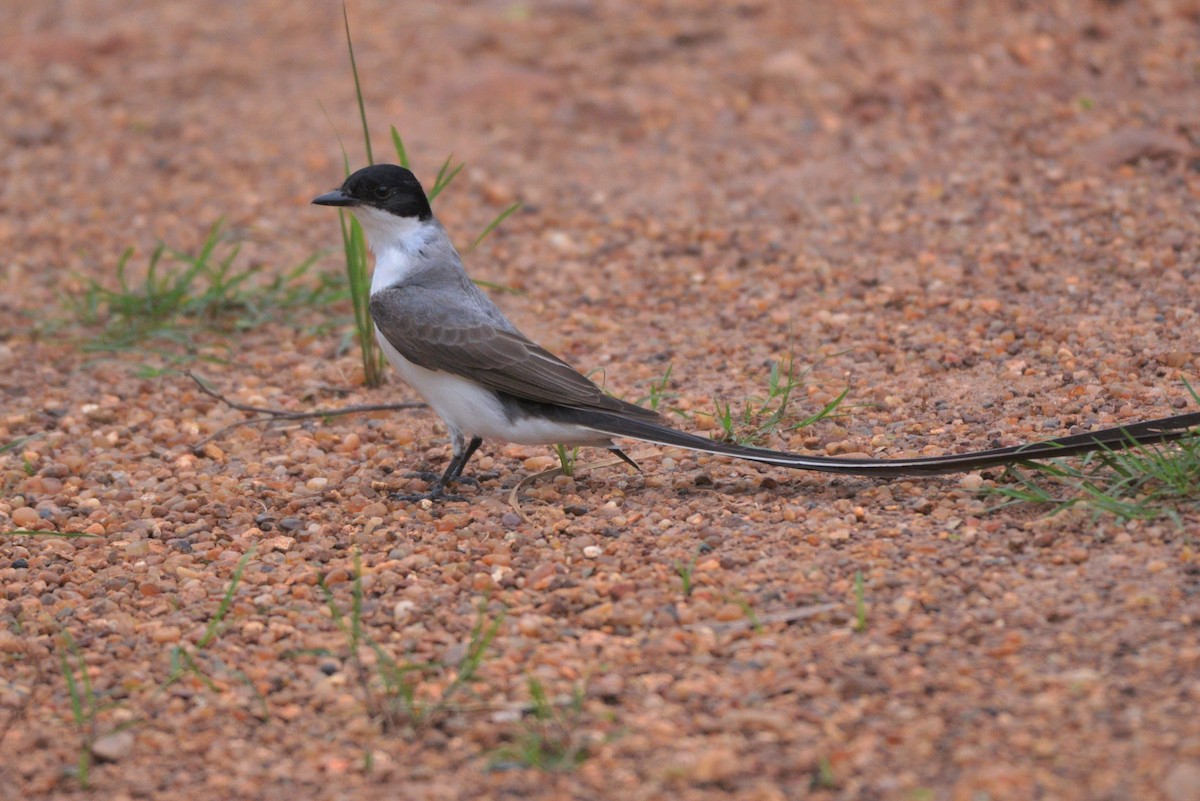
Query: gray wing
x=418 y=324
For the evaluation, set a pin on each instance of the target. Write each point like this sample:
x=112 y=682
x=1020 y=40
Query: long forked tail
x=1164 y=429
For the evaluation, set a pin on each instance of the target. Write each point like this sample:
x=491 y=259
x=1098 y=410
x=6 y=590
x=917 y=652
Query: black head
x=381 y=186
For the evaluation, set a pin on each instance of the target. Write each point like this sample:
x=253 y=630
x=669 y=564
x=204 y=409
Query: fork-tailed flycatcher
x=487 y=380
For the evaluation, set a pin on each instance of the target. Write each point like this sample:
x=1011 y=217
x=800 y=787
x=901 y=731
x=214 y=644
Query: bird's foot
x=437 y=489
x=417 y=497
x=432 y=478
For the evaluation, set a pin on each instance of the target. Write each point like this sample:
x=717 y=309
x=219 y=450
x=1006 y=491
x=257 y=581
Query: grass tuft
x=657 y=391
x=84 y=709
x=566 y=458
x=550 y=740
x=180 y=293
x=823 y=777
x=1147 y=482
x=185 y=660
x=686 y=572
x=860 y=603
x=762 y=415
x=392 y=690
x=1142 y=483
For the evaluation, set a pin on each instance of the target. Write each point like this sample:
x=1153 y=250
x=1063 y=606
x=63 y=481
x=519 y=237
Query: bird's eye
x=383 y=192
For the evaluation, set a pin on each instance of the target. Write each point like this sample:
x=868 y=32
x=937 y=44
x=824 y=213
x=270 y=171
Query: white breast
x=395 y=242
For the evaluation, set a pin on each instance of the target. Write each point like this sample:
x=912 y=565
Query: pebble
x=280 y=543
x=728 y=612
x=540 y=577
x=529 y=625
x=608 y=686
x=25 y=517
x=166 y=634
x=339 y=575
x=1182 y=782
x=113 y=747
x=402 y=612
x=536 y=464
x=716 y=765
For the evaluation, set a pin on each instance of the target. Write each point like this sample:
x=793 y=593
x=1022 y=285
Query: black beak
x=335 y=198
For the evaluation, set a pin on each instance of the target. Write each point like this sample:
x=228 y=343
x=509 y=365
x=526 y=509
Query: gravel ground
x=982 y=218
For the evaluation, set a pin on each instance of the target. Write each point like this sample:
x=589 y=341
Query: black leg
x=453 y=472
x=465 y=457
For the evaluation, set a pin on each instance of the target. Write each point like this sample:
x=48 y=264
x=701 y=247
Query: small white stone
x=402 y=612
x=113 y=747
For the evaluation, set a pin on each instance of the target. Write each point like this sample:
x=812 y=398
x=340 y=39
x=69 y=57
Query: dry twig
x=275 y=415
x=785 y=616
x=513 y=497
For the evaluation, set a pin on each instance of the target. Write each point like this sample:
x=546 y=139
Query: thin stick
x=274 y=415
x=786 y=616
x=514 y=499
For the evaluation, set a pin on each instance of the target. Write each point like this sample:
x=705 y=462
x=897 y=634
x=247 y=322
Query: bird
x=488 y=381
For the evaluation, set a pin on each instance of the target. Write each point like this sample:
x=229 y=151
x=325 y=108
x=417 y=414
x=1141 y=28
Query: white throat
x=396 y=243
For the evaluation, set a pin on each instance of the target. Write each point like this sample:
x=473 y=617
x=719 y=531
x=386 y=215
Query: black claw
x=417 y=497
x=432 y=478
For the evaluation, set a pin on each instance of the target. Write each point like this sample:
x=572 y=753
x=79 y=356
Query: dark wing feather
x=413 y=321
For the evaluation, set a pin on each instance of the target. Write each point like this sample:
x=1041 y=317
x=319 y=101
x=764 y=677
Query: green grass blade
x=16 y=443
x=218 y=619
x=1191 y=391
x=401 y=151
x=362 y=107
x=566 y=459
x=827 y=410
x=359 y=276
x=501 y=217
x=83 y=703
x=445 y=175
x=860 y=603
x=68 y=671
x=338 y=136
